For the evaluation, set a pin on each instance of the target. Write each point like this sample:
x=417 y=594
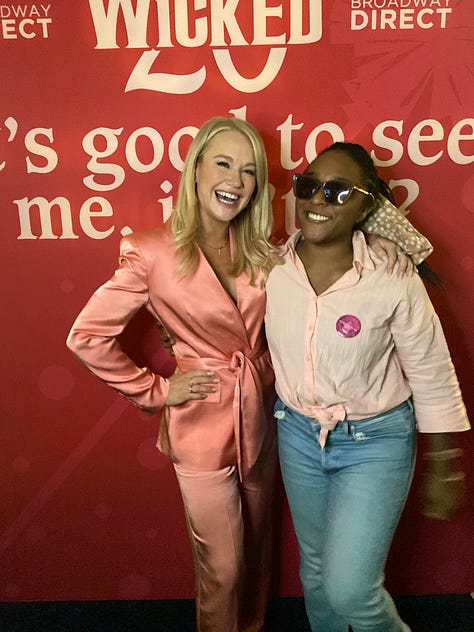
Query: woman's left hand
x=396 y=259
x=442 y=497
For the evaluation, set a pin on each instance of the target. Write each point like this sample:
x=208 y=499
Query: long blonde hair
x=251 y=228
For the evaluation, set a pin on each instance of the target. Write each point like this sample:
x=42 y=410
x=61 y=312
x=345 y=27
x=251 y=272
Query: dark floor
x=433 y=613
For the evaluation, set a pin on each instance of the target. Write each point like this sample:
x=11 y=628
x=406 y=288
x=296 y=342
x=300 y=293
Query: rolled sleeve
x=426 y=362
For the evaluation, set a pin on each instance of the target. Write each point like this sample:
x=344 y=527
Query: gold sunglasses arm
x=364 y=191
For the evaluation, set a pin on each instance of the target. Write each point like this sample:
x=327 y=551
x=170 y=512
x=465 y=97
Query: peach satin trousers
x=229 y=523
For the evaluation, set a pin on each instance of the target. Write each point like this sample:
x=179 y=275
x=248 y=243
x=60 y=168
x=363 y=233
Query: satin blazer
x=232 y=426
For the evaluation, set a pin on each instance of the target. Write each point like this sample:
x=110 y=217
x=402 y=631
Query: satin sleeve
x=93 y=336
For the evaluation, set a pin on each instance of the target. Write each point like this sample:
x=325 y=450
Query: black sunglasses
x=334 y=192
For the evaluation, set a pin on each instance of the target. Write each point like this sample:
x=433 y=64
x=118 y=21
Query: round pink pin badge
x=348 y=326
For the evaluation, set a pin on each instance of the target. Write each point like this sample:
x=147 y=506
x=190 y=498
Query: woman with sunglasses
x=358 y=355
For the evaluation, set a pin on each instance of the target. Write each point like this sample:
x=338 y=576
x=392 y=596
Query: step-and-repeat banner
x=99 y=100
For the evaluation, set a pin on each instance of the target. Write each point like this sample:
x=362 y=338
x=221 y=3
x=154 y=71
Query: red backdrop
x=99 y=100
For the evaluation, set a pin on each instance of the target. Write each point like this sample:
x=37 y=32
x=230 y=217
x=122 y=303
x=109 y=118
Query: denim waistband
x=349 y=424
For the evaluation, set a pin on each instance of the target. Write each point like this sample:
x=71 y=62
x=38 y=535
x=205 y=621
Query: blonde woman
x=201 y=276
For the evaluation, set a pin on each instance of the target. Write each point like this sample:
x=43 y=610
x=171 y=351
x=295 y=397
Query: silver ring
x=190 y=388
x=191 y=383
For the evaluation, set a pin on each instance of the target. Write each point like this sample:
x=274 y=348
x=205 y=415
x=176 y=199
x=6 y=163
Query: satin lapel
x=252 y=306
x=212 y=291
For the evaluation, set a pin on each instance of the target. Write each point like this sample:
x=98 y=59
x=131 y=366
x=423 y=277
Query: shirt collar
x=362 y=256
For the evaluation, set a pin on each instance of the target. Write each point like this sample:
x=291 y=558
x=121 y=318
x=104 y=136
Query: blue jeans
x=345 y=501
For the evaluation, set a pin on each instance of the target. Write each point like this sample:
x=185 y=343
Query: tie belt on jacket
x=247 y=407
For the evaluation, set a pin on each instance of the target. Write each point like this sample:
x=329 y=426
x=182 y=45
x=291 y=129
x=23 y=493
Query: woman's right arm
x=93 y=337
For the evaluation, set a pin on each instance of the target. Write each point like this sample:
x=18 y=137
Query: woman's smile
x=226 y=197
x=316 y=217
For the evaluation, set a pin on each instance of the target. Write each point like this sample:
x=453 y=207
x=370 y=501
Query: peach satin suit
x=222 y=448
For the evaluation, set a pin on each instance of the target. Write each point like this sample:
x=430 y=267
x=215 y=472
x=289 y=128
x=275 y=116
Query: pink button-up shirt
x=326 y=372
